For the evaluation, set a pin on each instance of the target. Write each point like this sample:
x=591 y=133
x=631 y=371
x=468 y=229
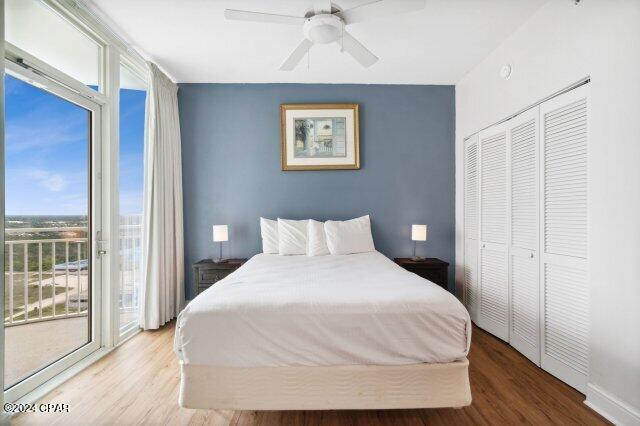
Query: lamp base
x=415 y=257
x=219 y=259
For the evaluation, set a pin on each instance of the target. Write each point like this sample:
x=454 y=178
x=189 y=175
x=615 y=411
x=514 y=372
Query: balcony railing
x=47 y=278
x=65 y=281
x=130 y=267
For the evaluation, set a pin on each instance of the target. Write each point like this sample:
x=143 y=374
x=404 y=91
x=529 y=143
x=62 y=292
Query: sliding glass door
x=52 y=204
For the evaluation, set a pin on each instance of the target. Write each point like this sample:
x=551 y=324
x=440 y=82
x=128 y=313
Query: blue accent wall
x=231 y=166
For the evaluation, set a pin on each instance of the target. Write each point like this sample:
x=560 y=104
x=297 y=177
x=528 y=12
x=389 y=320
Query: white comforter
x=324 y=310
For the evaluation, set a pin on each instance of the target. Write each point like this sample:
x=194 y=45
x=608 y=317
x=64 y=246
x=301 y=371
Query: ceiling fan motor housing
x=323 y=28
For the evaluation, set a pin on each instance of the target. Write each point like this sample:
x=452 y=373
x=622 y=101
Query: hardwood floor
x=138 y=384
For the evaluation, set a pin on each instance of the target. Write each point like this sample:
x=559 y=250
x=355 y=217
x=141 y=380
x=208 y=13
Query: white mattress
x=322 y=311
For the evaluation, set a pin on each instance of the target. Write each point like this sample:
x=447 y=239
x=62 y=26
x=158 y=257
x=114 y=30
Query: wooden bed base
x=325 y=388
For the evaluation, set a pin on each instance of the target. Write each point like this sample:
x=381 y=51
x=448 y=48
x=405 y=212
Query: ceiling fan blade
x=243 y=15
x=360 y=53
x=321 y=6
x=296 y=56
x=380 y=9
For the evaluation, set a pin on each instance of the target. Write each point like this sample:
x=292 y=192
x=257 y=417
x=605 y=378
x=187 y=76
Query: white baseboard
x=610 y=407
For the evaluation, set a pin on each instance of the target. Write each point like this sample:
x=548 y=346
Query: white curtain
x=162 y=293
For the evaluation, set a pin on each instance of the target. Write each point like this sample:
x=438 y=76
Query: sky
x=47 y=148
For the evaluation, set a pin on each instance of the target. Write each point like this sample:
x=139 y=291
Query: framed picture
x=319 y=136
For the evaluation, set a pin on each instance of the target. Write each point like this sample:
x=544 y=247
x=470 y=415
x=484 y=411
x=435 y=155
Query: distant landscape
x=44 y=221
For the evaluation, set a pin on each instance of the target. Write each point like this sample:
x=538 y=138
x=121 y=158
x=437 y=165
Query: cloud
x=52 y=181
x=35 y=119
x=28 y=134
x=55 y=183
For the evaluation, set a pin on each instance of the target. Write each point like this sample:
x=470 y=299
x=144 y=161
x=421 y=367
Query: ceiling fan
x=326 y=24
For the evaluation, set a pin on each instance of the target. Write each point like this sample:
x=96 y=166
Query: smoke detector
x=505 y=71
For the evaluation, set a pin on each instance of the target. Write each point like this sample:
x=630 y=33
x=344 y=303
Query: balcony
x=47 y=293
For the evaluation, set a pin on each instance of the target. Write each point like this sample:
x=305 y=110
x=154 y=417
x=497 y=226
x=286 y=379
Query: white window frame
x=46 y=373
x=113 y=52
x=3 y=415
x=139 y=72
x=66 y=14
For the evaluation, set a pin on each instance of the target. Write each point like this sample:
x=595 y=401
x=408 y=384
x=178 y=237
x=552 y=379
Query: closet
x=494 y=297
x=525 y=233
x=472 y=286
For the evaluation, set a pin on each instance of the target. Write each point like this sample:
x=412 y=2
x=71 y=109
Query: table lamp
x=418 y=233
x=220 y=235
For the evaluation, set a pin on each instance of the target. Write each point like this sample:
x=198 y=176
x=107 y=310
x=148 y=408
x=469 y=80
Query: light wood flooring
x=138 y=384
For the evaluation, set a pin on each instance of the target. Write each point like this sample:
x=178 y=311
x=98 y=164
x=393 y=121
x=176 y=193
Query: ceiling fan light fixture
x=326 y=24
x=323 y=29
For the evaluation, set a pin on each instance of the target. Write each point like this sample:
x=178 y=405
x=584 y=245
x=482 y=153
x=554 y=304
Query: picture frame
x=319 y=137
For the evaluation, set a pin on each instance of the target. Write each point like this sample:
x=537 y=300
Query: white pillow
x=269 y=233
x=349 y=236
x=293 y=236
x=316 y=241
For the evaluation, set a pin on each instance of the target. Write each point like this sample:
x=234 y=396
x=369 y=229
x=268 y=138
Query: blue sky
x=132 y=113
x=46 y=149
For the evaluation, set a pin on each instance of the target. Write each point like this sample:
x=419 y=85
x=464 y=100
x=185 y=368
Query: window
x=133 y=95
x=50 y=288
x=35 y=28
x=54 y=195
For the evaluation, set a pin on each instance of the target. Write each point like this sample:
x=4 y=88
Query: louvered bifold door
x=563 y=271
x=471 y=230
x=494 y=298
x=523 y=134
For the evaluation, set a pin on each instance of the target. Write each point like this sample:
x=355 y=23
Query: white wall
x=561 y=44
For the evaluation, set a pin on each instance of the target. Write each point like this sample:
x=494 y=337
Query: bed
x=327 y=332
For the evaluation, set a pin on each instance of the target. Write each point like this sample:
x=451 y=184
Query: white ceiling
x=192 y=41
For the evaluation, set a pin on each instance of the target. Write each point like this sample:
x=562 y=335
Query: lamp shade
x=220 y=233
x=419 y=232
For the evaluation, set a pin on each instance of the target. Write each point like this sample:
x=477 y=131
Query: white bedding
x=325 y=310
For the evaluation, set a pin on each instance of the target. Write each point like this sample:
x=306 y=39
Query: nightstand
x=430 y=268
x=206 y=272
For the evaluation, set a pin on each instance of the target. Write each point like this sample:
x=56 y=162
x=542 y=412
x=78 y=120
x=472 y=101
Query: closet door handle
x=531 y=255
